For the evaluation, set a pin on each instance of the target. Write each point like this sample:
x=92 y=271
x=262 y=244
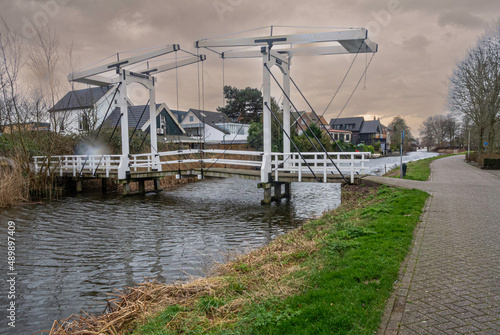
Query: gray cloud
x=461 y=19
x=407 y=76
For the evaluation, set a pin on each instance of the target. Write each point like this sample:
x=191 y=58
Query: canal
x=71 y=253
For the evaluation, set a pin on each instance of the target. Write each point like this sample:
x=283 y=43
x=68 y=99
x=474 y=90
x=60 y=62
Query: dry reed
x=13 y=188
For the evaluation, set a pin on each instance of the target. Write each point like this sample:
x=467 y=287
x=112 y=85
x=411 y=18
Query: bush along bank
x=333 y=275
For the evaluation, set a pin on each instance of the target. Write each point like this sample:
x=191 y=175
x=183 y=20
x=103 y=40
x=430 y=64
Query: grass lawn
x=416 y=170
x=332 y=276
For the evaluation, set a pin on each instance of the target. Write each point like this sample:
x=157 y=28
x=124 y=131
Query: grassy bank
x=417 y=170
x=333 y=275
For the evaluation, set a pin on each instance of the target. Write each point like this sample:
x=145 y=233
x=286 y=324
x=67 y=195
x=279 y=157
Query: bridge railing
x=195 y=157
x=349 y=163
x=77 y=164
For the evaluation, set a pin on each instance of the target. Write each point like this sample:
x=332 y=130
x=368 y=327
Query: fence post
x=352 y=168
x=324 y=168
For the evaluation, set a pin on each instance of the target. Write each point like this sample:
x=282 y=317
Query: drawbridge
x=273 y=170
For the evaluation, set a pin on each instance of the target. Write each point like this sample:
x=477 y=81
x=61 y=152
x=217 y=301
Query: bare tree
x=439 y=130
x=475 y=86
x=11 y=63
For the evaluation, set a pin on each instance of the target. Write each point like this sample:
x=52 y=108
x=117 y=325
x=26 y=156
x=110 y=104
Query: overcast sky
x=420 y=42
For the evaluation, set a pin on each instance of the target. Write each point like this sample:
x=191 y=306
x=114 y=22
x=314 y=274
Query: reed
x=13 y=185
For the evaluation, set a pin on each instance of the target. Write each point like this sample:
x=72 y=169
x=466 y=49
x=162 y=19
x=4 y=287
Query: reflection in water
x=73 y=252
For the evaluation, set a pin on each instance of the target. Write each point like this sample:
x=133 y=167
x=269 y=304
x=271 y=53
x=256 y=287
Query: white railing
x=206 y=156
x=77 y=164
x=322 y=164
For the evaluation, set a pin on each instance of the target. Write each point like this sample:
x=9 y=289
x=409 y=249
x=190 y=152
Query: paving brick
x=453 y=272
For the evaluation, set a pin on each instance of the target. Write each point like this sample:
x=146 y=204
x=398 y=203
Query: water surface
x=71 y=253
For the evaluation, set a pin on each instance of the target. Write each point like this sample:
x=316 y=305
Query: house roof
x=80 y=99
x=371 y=127
x=321 y=119
x=179 y=114
x=357 y=121
x=296 y=117
x=211 y=118
x=134 y=116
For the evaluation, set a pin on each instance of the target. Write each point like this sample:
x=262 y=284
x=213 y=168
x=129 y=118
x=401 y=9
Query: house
x=82 y=110
x=318 y=121
x=214 y=127
x=371 y=132
x=26 y=126
x=301 y=120
x=374 y=131
x=367 y=132
x=352 y=124
x=167 y=123
x=341 y=135
x=179 y=114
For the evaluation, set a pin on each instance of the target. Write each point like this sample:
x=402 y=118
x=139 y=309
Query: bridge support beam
x=126 y=188
x=288 y=191
x=157 y=185
x=278 y=194
x=142 y=186
x=79 y=186
x=104 y=185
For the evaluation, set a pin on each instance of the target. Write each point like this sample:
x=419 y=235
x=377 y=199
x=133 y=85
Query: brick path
x=451 y=281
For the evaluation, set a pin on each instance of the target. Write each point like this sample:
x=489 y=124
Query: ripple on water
x=73 y=252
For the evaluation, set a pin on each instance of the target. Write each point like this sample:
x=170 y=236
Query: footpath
x=450 y=283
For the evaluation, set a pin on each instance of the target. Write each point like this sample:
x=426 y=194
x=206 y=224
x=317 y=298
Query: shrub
x=492 y=163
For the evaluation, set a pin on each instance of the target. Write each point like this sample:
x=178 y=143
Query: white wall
x=72 y=117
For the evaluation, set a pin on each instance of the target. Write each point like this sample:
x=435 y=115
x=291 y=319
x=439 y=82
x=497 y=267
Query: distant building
x=81 y=110
x=352 y=124
x=367 y=132
x=301 y=120
x=214 y=127
x=167 y=123
x=26 y=126
x=341 y=135
x=318 y=121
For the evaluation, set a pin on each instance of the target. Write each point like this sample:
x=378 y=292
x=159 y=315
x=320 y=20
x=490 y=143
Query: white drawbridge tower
x=121 y=79
x=278 y=50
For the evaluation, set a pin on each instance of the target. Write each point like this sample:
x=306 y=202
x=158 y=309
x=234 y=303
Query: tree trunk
x=491 y=140
x=481 y=142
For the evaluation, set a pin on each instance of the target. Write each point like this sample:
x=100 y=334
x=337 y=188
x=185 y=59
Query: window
x=191 y=118
x=349 y=126
x=83 y=122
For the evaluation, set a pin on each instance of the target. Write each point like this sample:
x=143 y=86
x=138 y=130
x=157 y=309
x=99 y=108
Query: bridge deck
x=218 y=173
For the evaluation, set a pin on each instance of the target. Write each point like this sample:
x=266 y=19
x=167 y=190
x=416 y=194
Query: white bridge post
x=286 y=112
x=266 y=90
x=123 y=168
x=155 y=159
